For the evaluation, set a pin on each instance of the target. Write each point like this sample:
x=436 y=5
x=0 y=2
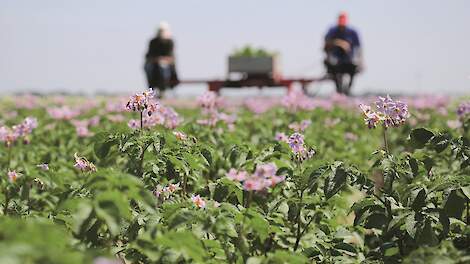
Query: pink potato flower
x=22 y=130
x=83 y=164
x=263 y=178
x=180 y=135
x=281 y=137
x=388 y=112
x=141 y=101
x=235 y=175
x=297 y=145
x=198 y=201
x=463 y=109
x=296 y=142
x=43 y=166
x=300 y=127
x=13 y=176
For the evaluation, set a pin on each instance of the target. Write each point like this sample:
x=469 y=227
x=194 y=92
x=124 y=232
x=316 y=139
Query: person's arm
x=149 y=54
x=356 y=41
x=172 y=49
x=328 y=39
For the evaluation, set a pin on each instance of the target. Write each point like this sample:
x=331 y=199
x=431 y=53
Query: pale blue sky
x=409 y=46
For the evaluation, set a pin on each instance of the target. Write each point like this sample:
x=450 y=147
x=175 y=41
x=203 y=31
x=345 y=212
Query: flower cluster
x=10 y=135
x=43 y=166
x=63 y=113
x=83 y=164
x=300 y=127
x=210 y=104
x=297 y=144
x=162 y=115
x=117 y=105
x=26 y=101
x=281 y=137
x=463 y=109
x=209 y=101
x=260 y=105
x=81 y=126
x=454 y=124
x=198 y=201
x=263 y=177
x=13 y=176
x=164 y=193
x=295 y=100
x=141 y=102
x=180 y=135
x=389 y=113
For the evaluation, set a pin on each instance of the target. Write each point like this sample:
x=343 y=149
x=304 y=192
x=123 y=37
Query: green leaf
x=112 y=207
x=287 y=257
x=413 y=166
x=466 y=191
x=259 y=224
x=428 y=163
x=183 y=216
x=440 y=142
x=410 y=225
x=335 y=181
x=419 y=200
x=455 y=205
x=397 y=222
x=391 y=251
x=207 y=156
x=183 y=242
x=346 y=248
x=193 y=161
x=445 y=222
x=376 y=220
x=312 y=175
x=234 y=155
x=362 y=204
x=420 y=136
x=427 y=235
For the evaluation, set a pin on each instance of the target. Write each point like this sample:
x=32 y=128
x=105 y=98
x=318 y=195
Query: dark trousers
x=159 y=76
x=338 y=73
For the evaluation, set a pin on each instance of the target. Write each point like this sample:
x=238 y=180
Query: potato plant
x=298 y=180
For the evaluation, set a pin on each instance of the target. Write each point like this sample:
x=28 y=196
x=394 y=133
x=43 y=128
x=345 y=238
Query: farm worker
x=343 y=53
x=160 y=60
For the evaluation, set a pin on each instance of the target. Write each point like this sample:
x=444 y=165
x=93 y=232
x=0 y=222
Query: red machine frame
x=217 y=85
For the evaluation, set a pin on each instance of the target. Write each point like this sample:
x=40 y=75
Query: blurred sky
x=90 y=46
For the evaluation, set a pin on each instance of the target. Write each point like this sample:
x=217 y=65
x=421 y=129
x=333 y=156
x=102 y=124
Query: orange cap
x=342 y=19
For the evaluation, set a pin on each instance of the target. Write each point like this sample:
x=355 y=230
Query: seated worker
x=160 y=61
x=343 y=54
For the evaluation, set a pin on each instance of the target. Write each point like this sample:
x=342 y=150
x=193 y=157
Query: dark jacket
x=160 y=47
x=347 y=34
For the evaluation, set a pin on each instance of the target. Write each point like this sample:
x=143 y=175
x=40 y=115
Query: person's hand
x=343 y=44
x=165 y=60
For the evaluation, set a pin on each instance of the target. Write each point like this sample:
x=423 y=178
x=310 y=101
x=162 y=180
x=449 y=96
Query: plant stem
x=468 y=211
x=385 y=140
x=141 y=121
x=8 y=160
x=7 y=201
x=185 y=179
x=306 y=226
x=5 y=189
x=299 y=234
x=141 y=164
x=248 y=200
